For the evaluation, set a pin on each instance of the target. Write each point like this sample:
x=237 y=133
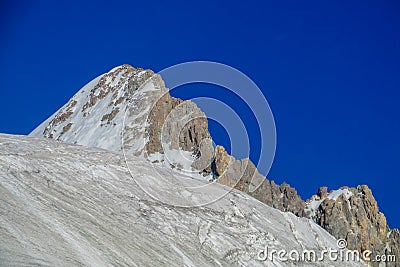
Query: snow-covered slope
x=129 y=111
x=69 y=205
x=94 y=116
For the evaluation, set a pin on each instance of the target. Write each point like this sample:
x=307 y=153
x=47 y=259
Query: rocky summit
x=129 y=111
x=353 y=214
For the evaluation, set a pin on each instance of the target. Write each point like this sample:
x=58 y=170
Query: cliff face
x=244 y=176
x=353 y=214
x=177 y=125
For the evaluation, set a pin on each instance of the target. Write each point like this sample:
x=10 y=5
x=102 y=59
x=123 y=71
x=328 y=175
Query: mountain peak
x=130 y=111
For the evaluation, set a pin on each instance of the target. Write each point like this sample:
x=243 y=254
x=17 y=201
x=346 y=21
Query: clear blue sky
x=329 y=69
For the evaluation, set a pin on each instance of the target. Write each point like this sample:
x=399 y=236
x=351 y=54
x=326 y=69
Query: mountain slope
x=65 y=204
x=130 y=111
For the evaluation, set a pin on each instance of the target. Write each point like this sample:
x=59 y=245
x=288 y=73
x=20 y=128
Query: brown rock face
x=180 y=125
x=359 y=221
x=393 y=247
x=244 y=176
x=322 y=192
x=182 y=122
x=156 y=121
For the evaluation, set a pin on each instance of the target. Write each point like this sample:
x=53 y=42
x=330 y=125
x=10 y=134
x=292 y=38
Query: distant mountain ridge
x=129 y=110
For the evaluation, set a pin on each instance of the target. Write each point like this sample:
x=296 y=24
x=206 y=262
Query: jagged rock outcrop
x=174 y=124
x=353 y=214
x=244 y=176
x=393 y=246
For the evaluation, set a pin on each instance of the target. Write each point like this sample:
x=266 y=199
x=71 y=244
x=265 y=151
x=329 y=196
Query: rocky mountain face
x=177 y=125
x=353 y=214
x=129 y=111
x=244 y=176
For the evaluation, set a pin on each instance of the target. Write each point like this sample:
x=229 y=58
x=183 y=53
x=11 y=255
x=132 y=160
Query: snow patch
x=313 y=205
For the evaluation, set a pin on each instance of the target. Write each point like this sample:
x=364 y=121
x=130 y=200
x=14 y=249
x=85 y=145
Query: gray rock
x=357 y=219
x=244 y=176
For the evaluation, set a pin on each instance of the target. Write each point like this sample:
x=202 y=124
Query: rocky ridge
x=134 y=105
x=353 y=214
x=244 y=176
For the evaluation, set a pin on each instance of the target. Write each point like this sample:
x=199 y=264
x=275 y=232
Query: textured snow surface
x=96 y=114
x=70 y=205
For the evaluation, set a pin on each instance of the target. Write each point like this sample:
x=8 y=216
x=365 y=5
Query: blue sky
x=329 y=69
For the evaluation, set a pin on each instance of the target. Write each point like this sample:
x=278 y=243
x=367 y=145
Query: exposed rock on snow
x=353 y=214
x=244 y=176
x=130 y=110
